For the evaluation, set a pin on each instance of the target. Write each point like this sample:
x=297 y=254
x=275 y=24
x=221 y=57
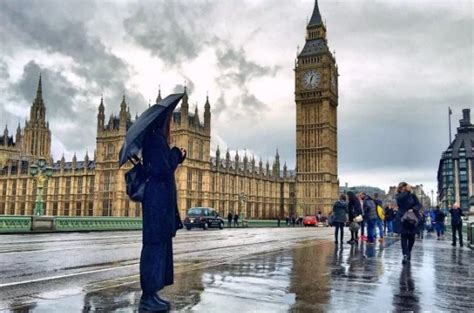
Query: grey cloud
x=180 y=87
x=170 y=30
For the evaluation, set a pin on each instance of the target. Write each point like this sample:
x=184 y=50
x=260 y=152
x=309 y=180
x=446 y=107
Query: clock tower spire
x=316 y=98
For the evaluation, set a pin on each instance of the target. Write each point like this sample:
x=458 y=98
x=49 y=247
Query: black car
x=203 y=218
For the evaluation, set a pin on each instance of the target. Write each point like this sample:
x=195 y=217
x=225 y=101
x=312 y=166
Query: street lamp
x=242 y=199
x=41 y=173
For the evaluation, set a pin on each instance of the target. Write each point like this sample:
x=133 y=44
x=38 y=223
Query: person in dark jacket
x=236 y=220
x=380 y=223
x=370 y=216
x=354 y=210
x=389 y=216
x=439 y=223
x=407 y=202
x=456 y=223
x=229 y=219
x=160 y=215
x=339 y=212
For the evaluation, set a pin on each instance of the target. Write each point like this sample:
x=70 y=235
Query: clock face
x=311 y=79
x=333 y=80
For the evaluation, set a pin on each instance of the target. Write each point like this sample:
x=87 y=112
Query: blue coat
x=406 y=201
x=370 y=213
x=456 y=218
x=160 y=209
x=339 y=211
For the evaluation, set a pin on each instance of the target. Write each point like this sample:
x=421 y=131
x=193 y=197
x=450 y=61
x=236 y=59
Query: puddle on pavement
x=310 y=278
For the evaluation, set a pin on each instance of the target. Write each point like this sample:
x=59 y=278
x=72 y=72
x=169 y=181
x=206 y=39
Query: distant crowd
x=407 y=219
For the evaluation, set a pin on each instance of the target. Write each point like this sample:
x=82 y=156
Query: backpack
x=135 y=179
x=380 y=212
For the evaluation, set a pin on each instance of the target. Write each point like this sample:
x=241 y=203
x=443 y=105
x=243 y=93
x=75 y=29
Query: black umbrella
x=152 y=117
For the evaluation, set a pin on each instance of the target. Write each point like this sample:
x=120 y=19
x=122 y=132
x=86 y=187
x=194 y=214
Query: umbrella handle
x=134 y=160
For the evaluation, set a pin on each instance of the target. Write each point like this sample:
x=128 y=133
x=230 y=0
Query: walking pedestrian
x=370 y=216
x=160 y=215
x=456 y=223
x=236 y=219
x=339 y=212
x=229 y=219
x=278 y=221
x=408 y=208
x=421 y=225
x=389 y=216
x=354 y=210
x=439 y=223
x=380 y=215
x=363 y=223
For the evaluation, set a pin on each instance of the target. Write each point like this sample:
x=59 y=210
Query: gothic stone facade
x=96 y=187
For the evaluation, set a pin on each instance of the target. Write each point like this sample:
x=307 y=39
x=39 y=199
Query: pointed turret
x=123 y=115
x=276 y=164
x=39 y=90
x=101 y=115
x=218 y=157
x=5 y=136
x=158 y=98
x=18 y=134
x=196 y=116
x=316 y=17
x=260 y=166
x=252 y=162
x=267 y=168
x=207 y=117
x=285 y=170
x=227 y=159
x=246 y=161
x=86 y=160
x=184 y=109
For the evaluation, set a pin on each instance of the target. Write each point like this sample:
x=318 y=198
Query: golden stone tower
x=316 y=99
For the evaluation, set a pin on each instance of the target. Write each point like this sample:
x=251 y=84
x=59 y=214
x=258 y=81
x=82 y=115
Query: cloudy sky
x=402 y=63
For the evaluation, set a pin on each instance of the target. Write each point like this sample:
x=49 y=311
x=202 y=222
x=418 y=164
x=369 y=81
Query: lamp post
x=41 y=173
x=432 y=198
x=242 y=200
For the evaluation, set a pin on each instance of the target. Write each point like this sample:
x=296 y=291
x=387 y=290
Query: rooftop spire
x=316 y=17
x=158 y=99
x=39 y=90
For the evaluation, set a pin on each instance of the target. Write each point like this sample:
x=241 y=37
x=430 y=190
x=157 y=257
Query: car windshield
x=195 y=212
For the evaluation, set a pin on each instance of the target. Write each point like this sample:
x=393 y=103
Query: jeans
x=362 y=226
x=457 y=228
x=338 y=226
x=407 y=240
x=390 y=227
x=439 y=228
x=371 y=230
x=379 y=224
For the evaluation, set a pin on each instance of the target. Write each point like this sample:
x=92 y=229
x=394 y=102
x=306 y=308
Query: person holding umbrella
x=151 y=134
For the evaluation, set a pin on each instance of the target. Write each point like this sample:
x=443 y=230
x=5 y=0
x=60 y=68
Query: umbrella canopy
x=154 y=117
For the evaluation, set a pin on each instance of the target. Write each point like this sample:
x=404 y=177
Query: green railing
x=15 y=224
x=65 y=223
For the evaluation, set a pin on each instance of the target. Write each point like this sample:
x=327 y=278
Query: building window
x=66 y=209
x=106 y=207
x=201 y=151
x=190 y=148
x=78 y=209
x=14 y=188
x=2 y=208
x=22 y=208
x=91 y=185
x=189 y=182
x=110 y=151
x=79 y=185
x=90 y=210
x=55 y=208
x=199 y=187
x=12 y=209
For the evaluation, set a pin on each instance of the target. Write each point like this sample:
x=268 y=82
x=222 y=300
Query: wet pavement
x=244 y=270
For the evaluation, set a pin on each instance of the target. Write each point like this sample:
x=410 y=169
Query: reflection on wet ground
x=314 y=277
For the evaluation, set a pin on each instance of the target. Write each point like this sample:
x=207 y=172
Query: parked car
x=203 y=218
x=309 y=220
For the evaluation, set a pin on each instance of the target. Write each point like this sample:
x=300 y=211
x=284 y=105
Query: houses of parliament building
x=95 y=185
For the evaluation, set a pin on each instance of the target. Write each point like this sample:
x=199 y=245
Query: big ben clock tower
x=316 y=96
